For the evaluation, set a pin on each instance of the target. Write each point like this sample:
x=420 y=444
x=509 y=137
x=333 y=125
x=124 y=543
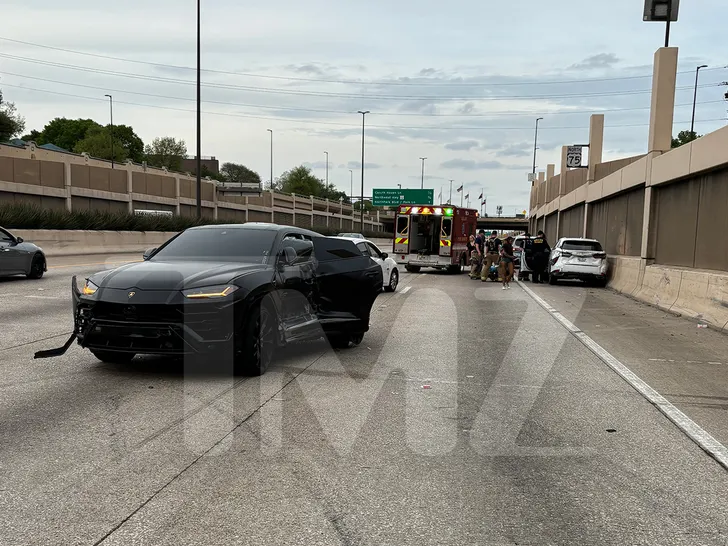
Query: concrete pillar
x=550 y=170
x=596 y=151
x=177 y=195
x=664 y=74
x=596 y=144
x=214 y=200
x=272 y=207
x=328 y=213
x=129 y=185
x=294 y=208
x=562 y=185
x=67 y=186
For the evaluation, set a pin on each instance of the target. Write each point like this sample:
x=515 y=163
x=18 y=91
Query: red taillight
x=566 y=254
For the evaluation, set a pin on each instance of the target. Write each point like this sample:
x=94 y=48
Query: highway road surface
x=468 y=415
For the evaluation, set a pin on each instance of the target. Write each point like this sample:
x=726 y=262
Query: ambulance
x=433 y=236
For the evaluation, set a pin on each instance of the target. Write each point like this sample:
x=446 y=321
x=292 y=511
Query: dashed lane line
x=689 y=427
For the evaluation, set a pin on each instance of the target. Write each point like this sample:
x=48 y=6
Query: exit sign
x=394 y=197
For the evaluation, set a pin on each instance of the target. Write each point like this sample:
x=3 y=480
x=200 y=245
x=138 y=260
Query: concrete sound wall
x=698 y=294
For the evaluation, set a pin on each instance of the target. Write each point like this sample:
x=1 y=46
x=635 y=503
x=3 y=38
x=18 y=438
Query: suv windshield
x=582 y=245
x=220 y=245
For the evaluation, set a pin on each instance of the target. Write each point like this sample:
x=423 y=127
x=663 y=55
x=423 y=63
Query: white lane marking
x=689 y=427
x=406 y=289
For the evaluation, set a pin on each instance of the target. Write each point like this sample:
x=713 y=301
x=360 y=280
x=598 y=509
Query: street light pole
x=535 y=144
x=361 y=202
x=422 y=185
x=199 y=121
x=695 y=98
x=271 y=157
x=450 y=200
x=111 y=110
x=351 y=189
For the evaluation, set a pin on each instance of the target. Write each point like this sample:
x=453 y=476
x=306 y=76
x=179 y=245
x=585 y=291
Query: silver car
x=20 y=258
x=576 y=258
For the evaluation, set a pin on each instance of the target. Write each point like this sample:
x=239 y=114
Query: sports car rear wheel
x=111 y=357
x=255 y=342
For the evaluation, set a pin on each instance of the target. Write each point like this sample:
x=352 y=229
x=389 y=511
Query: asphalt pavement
x=468 y=415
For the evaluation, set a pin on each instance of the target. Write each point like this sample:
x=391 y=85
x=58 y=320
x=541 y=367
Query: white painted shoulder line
x=696 y=433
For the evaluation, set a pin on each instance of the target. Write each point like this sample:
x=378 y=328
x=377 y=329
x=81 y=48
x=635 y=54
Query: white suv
x=574 y=258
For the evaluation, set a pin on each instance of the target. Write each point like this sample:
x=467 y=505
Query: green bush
x=24 y=216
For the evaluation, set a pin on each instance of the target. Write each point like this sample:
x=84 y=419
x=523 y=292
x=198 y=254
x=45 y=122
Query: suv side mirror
x=148 y=253
x=287 y=256
x=18 y=240
x=385 y=255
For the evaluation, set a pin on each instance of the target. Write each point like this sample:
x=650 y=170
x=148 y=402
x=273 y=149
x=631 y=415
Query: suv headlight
x=210 y=292
x=89 y=288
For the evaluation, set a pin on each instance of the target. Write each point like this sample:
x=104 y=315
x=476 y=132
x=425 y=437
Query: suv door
x=348 y=283
x=296 y=282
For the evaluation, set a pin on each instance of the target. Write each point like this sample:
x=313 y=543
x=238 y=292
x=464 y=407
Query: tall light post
x=199 y=121
x=111 y=111
x=535 y=145
x=327 y=169
x=271 y=157
x=361 y=202
x=422 y=184
x=695 y=98
x=450 y=200
x=351 y=189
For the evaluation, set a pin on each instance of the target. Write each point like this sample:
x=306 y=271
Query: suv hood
x=173 y=275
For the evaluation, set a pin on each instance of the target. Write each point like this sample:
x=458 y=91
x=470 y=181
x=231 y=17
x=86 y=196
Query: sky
x=460 y=83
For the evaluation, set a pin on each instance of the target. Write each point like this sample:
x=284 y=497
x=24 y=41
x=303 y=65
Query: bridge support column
x=664 y=76
x=596 y=148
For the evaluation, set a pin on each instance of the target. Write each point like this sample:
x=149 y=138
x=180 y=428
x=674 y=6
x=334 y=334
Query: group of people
x=488 y=251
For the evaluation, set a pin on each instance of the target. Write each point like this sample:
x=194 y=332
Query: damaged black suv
x=241 y=290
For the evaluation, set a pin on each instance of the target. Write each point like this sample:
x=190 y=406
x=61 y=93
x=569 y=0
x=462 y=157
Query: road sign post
x=386 y=197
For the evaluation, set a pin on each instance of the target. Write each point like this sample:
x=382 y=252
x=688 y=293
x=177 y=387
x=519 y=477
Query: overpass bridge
x=503 y=223
x=500 y=223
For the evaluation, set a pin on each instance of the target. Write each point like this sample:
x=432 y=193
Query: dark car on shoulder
x=240 y=290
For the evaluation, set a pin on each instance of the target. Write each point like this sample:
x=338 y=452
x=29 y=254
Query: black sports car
x=241 y=290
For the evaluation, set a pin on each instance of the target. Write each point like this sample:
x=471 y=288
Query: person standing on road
x=507 y=258
x=493 y=246
x=472 y=253
x=480 y=249
x=541 y=251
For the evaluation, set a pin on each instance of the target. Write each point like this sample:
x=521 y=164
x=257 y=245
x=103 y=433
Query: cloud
x=472 y=165
x=427 y=177
x=462 y=145
x=515 y=151
x=467 y=108
x=602 y=60
x=316 y=164
x=357 y=165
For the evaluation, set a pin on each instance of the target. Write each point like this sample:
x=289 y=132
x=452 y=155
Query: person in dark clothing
x=480 y=249
x=492 y=254
x=506 y=263
x=541 y=251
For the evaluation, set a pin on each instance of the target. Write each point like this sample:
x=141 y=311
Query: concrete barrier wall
x=78 y=243
x=697 y=294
